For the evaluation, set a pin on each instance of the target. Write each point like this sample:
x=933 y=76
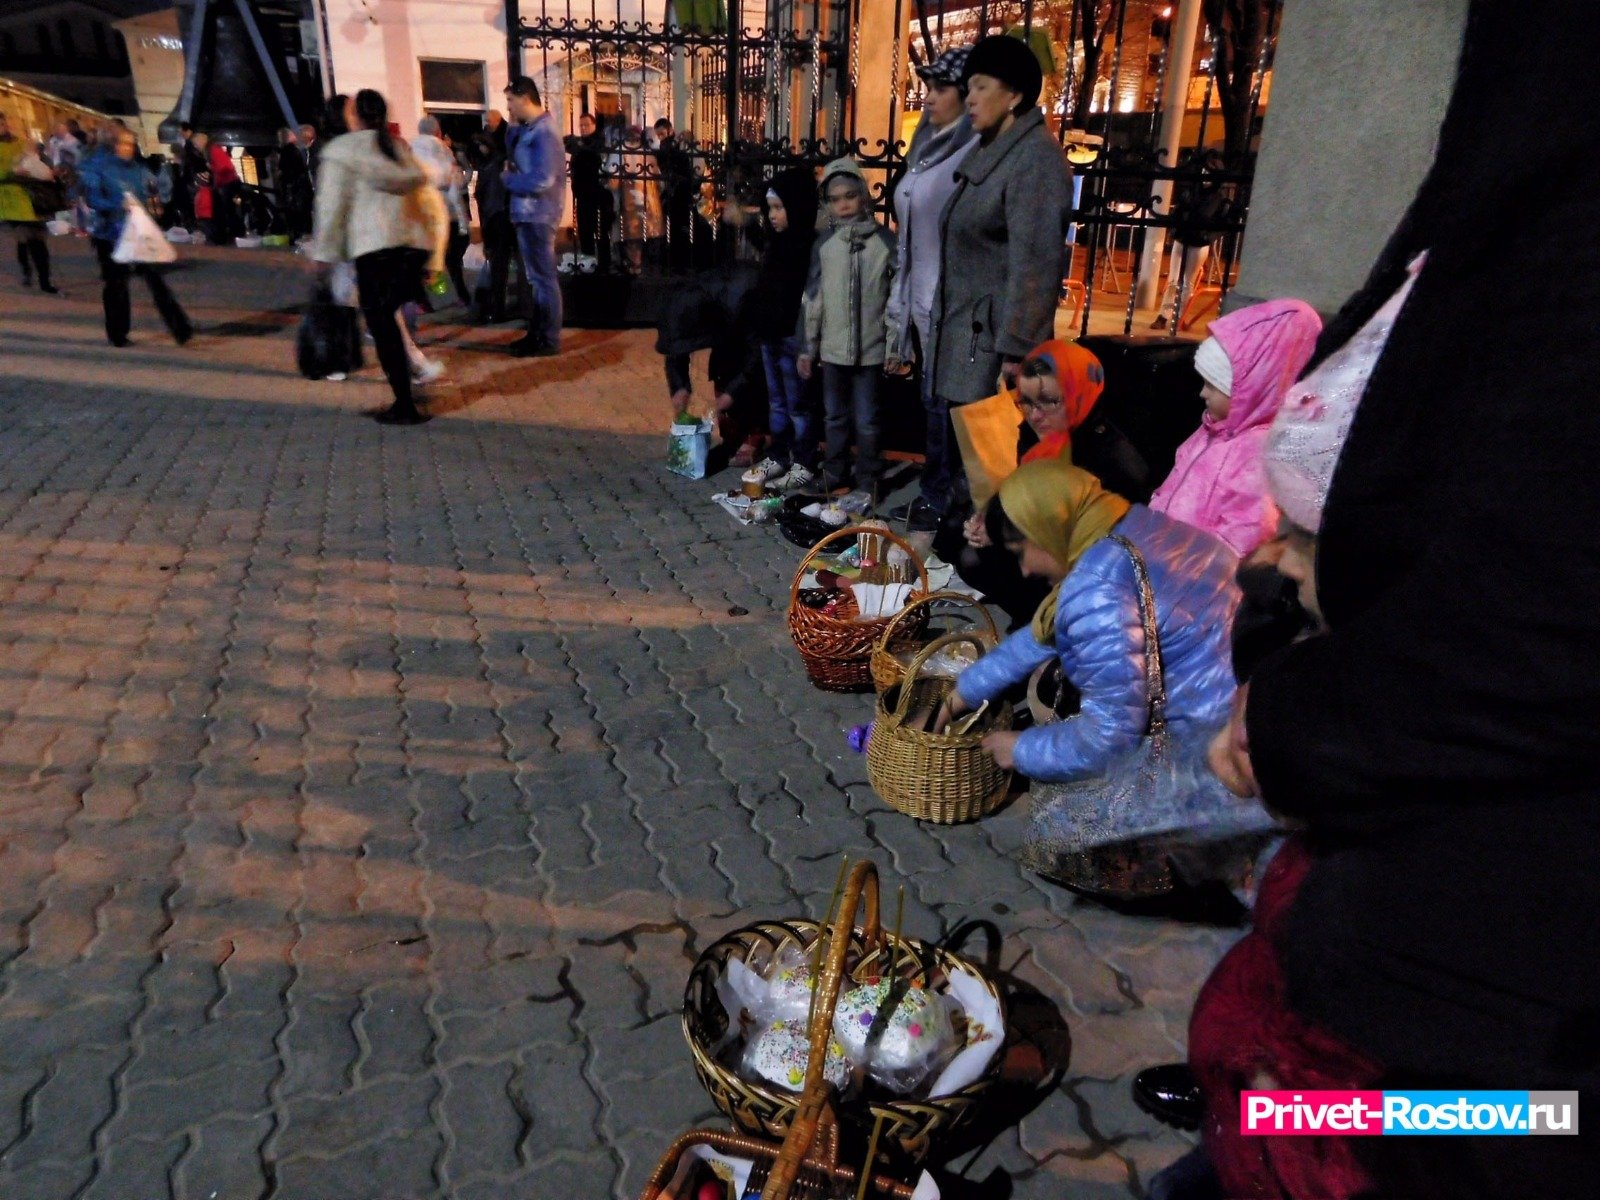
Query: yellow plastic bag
x=986 y=431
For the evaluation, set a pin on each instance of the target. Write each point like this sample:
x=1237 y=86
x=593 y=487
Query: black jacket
x=704 y=312
x=773 y=309
x=588 y=156
x=1443 y=740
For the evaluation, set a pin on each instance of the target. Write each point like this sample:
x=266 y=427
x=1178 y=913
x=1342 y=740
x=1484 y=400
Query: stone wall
x=1359 y=90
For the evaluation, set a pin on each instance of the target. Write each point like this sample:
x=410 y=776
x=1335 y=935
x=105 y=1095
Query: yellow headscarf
x=1063 y=510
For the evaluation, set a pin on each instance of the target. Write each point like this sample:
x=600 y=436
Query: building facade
x=71 y=49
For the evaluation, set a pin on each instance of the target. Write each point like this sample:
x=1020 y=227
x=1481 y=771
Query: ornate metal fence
x=753 y=87
x=750 y=89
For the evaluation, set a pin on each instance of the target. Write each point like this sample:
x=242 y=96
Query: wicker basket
x=939 y=777
x=897 y=638
x=837 y=650
x=912 y=1126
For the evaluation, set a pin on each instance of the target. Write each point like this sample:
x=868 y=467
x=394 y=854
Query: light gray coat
x=1001 y=255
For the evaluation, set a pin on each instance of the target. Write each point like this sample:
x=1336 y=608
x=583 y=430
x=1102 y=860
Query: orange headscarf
x=1082 y=379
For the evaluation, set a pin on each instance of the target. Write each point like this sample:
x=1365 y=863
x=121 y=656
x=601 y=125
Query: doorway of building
x=458 y=125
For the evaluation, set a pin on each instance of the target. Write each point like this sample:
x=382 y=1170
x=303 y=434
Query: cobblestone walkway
x=366 y=793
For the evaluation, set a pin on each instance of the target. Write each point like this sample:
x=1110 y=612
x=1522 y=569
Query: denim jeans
x=788 y=417
x=939 y=443
x=850 y=397
x=538 y=246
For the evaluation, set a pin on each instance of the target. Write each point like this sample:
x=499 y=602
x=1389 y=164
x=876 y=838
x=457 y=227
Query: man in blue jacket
x=536 y=178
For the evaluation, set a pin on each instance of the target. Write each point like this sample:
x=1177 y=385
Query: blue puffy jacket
x=537 y=181
x=105 y=180
x=1100 y=641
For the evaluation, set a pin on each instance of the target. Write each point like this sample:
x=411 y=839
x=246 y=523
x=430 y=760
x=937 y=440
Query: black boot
x=531 y=345
x=1171 y=1094
x=25 y=264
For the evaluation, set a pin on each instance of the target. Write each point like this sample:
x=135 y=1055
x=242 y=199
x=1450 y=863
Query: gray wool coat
x=1001 y=254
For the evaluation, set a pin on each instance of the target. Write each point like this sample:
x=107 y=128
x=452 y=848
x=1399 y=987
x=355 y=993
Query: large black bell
x=232 y=88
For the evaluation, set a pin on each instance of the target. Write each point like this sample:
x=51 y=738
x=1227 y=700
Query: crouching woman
x=1098 y=550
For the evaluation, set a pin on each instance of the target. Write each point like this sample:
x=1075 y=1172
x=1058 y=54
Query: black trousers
x=453 y=255
x=33 y=252
x=119 y=314
x=387 y=279
x=597 y=217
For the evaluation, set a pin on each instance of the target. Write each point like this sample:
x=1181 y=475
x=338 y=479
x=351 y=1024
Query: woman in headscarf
x=1068 y=530
x=1057 y=390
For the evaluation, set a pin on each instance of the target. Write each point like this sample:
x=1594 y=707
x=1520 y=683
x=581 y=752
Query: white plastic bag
x=142 y=240
x=474 y=259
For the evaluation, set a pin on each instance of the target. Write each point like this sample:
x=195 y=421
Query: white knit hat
x=1214 y=366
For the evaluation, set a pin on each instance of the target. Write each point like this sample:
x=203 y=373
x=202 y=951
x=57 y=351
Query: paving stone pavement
x=365 y=794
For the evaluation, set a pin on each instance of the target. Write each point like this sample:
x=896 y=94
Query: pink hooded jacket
x=1217 y=483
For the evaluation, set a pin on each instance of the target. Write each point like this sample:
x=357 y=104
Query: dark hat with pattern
x=946 y=69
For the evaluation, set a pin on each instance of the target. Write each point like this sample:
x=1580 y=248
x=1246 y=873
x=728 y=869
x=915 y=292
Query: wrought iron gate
x=751 y=89
x=757 y=86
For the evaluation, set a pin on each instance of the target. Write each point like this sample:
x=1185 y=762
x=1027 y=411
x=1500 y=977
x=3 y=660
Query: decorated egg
x=779 y=1053
x=914 y=1032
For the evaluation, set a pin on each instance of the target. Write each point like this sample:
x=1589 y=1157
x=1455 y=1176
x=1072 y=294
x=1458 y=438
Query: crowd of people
x=1370 y=631
x=1348 y=603
x=91 y=179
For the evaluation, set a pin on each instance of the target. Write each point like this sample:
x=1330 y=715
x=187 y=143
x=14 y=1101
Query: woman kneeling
x=1093 y=547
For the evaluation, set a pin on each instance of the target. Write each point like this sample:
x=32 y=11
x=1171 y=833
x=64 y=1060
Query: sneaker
x=336 y=377
x=771 y=469
x=918 y=516
x=426 y=372
x=1159 y=323
x=795 y=479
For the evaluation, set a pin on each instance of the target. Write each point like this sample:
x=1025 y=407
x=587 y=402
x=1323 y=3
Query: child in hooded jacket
x=1248 y=364
x=844 y=323
x=773 y=317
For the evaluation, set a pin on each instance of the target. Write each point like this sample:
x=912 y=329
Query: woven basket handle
x=738 y=1145
x=814 y=1111
x=852 y=531
x=940 y=598
x=923 y=655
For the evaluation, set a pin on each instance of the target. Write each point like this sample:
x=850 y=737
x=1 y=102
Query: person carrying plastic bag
x=115 y=186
